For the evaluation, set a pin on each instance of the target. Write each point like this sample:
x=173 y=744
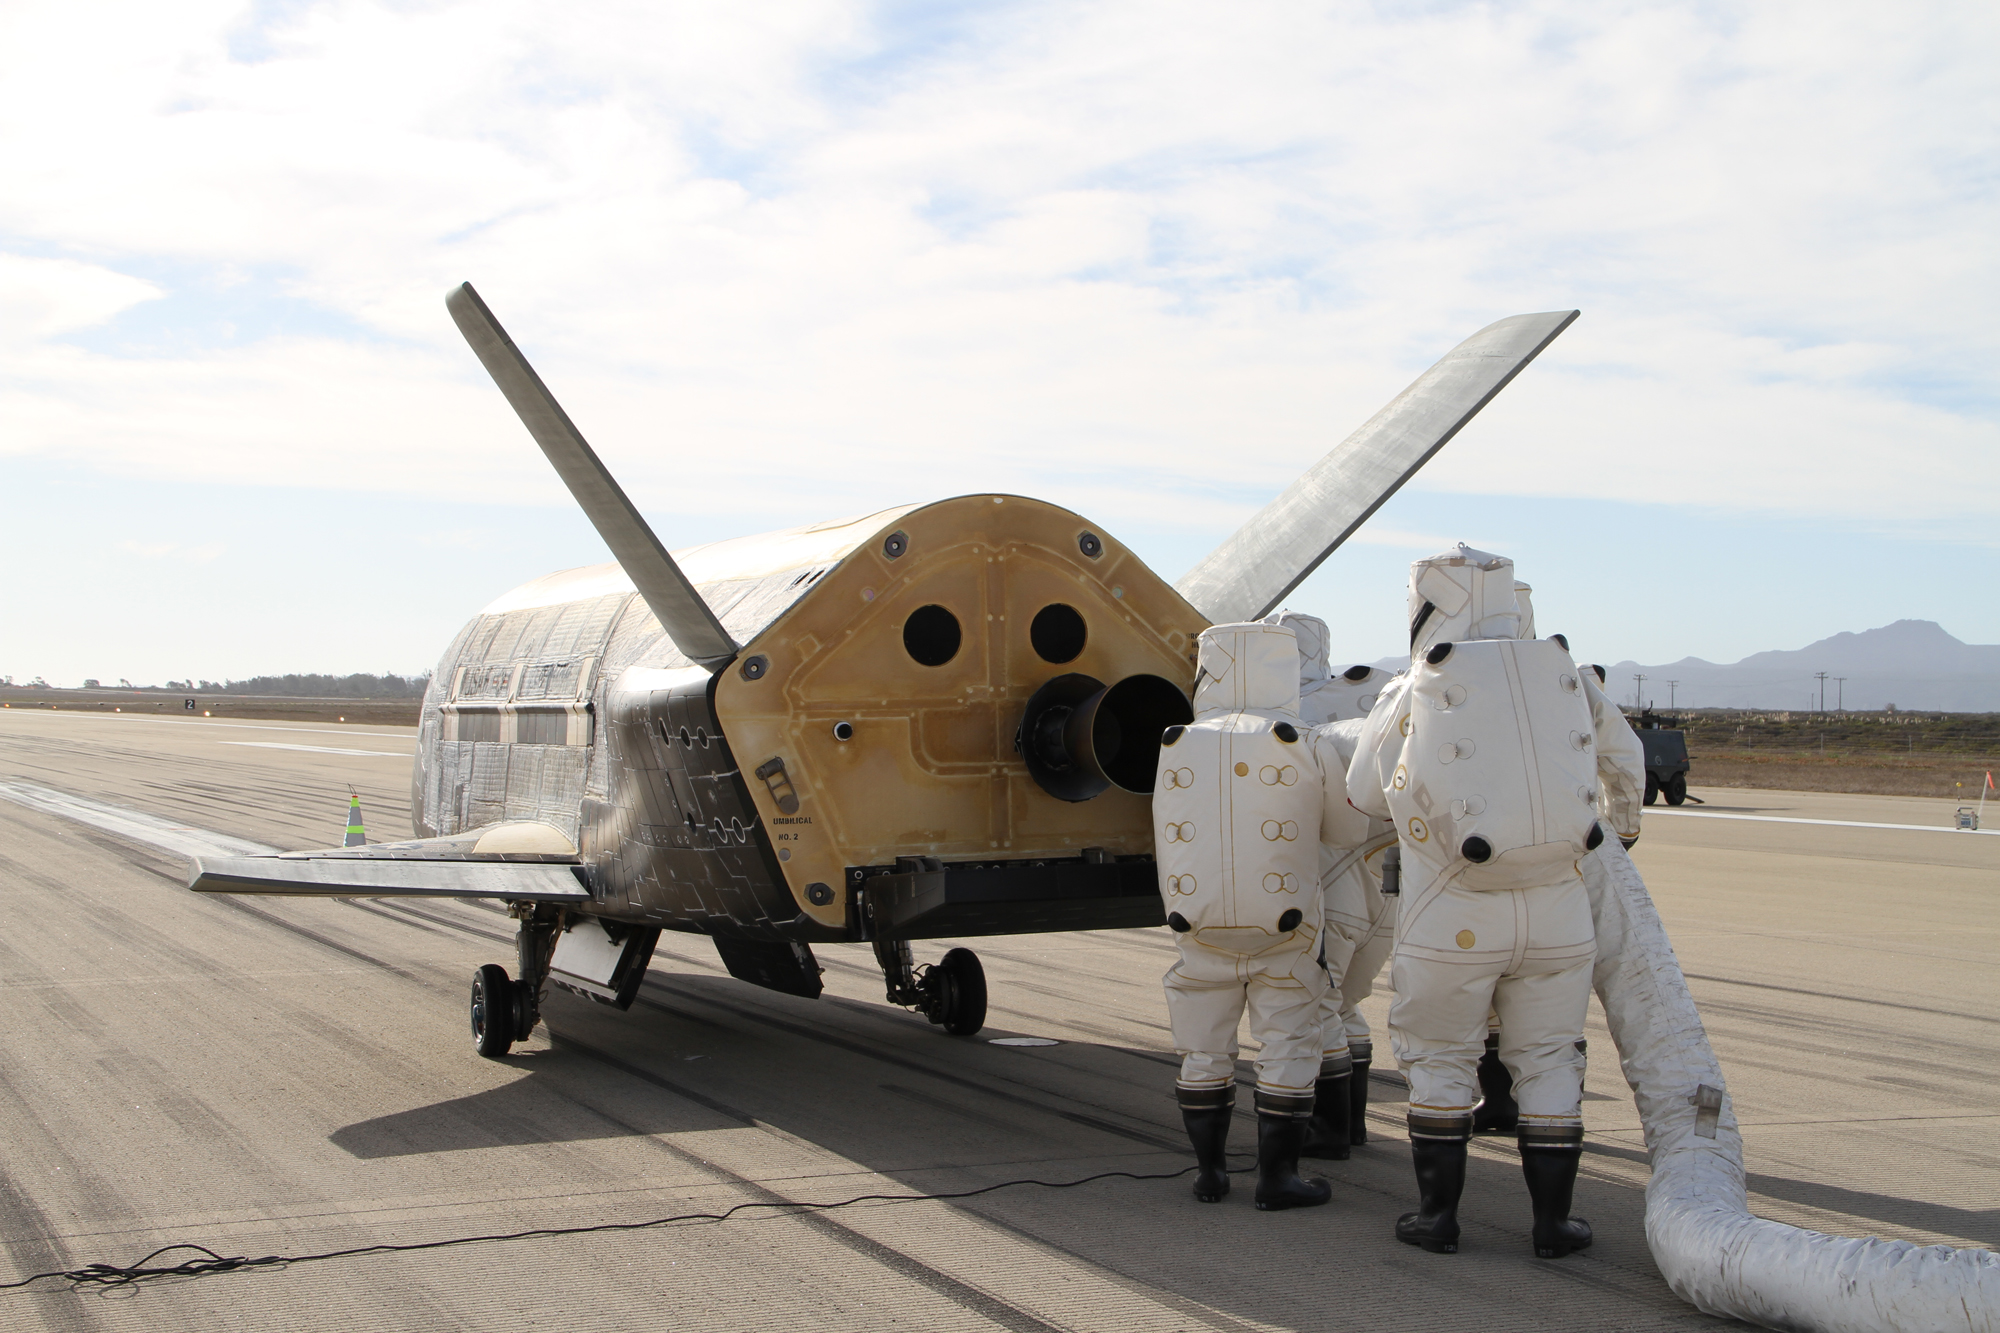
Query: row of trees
x=360 y=685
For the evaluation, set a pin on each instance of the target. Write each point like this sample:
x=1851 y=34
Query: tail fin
x=1253 y=569
x=675 y=603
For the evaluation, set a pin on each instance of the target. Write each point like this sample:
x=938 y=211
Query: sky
x=789 y=262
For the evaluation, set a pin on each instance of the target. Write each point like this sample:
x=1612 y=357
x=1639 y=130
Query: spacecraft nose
x=1079 y=736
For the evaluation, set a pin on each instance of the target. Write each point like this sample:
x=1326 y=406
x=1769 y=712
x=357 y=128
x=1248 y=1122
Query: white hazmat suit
x=1485 y=759
x=1323 y=696
x=1359 y=920
x=1237 y=806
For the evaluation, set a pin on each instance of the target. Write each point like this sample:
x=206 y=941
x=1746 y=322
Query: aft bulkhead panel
x=928 y=764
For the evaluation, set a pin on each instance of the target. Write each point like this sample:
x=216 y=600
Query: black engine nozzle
x=1080 y=737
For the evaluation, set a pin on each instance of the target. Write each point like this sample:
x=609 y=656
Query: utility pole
x=1840 y=695
x=1820 y=676
x=1670 y=695
x=1638 y=681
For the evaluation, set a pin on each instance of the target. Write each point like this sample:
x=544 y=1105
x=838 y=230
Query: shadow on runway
x=883 y=1090
x=1981 y=1225
x=1975 y=1224
x=549 y=1103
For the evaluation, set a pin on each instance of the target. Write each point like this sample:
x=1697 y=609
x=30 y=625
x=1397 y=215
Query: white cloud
x=798 y=259
x=45 y=298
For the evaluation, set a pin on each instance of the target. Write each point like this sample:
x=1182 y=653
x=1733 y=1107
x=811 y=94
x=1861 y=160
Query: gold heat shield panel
x=930 y=768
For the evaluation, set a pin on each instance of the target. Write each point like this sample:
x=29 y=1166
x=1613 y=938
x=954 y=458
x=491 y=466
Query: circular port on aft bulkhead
x=931 y=635
x=1058 y=633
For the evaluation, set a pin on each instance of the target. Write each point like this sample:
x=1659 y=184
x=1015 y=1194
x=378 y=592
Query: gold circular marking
x=1242 y=770
x=1466 y=939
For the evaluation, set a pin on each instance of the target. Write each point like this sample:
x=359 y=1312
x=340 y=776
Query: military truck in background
x=1667 y=761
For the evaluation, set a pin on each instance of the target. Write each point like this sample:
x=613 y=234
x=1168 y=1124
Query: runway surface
x=282 y=1076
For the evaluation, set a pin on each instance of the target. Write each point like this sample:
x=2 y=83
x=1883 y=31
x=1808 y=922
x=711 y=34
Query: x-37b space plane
x=936 y=721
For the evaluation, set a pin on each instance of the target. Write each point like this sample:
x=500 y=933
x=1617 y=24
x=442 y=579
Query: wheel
x=492 y=1011
x=1652 y=789
x=964 y=1011
x=1676 y=789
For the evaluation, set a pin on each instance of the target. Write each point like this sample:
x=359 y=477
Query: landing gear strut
x=950 y=993
x=505 y=1011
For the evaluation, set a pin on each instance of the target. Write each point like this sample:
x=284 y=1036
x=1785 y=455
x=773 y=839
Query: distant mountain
x=1914 y=664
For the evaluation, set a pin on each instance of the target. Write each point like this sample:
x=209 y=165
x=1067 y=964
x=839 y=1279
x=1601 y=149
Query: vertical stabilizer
x=1247 y=576
x=674 y=601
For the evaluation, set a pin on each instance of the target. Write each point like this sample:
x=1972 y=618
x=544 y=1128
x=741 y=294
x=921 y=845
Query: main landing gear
x=505 y=1011
x=950 y=993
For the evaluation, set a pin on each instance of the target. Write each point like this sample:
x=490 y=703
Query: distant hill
x=1913 y=664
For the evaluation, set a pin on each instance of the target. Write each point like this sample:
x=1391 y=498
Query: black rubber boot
x=1327 y=1133
x=1440 y=1164
x=1550 y=1163
x=1206 y=1113
x=1281 y=1132
x=1496 y=1112
x=1357 y=1092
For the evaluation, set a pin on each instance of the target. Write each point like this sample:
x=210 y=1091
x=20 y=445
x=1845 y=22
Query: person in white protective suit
x=1323 y=696
x=1360 y=923
x=1360 y=920
x=1621 y=761
x=1237 y=806
x=1485 y=759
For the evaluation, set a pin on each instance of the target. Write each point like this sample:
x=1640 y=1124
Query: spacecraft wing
x=521 y=861
x=1251 y=572
x=687 y=619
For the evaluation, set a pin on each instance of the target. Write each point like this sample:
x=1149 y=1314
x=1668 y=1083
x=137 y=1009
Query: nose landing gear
x=950 y=992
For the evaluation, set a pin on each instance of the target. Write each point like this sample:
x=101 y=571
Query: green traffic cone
x=357 y=836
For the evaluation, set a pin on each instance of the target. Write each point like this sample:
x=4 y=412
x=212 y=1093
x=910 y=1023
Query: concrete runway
x=282 y=1076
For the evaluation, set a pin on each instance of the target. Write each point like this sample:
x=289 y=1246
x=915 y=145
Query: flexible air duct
x=1711 y=1251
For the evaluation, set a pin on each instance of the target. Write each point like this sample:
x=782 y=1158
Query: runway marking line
x=318 y=749
x=153 y=831
x=236 y=726
x=1831 y=823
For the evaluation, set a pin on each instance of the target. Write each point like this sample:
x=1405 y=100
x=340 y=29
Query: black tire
x=1676 y=789
x=492 y=1011
x=527 y=1011
x=1652 y=789
x=965 y=992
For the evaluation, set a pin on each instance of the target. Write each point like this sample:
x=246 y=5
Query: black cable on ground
x=208 y=1261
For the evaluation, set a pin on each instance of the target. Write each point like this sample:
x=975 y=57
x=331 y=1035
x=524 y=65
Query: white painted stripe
x=1830 y=823
x=318 y=749
x=206 y=722
x=165 y=834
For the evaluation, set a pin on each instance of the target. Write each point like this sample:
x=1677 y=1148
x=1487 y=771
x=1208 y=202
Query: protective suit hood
x=1313 y=640
x=1248 y=667
x=1462 y=594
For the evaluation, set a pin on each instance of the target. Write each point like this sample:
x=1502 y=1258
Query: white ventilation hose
x=1712 y=1252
